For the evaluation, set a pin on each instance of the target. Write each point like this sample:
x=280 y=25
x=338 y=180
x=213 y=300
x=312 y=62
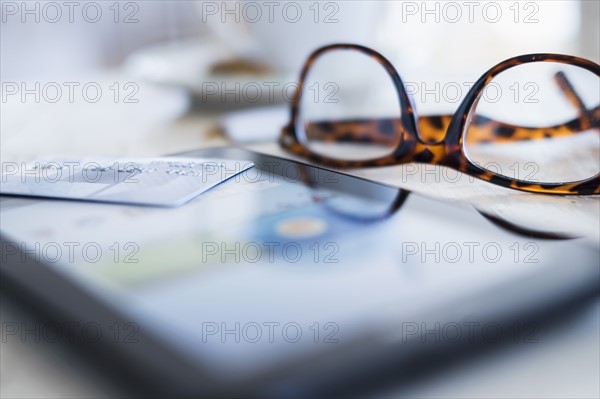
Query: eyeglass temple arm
x=432 y=129
x=569 y=91
x=485 y=129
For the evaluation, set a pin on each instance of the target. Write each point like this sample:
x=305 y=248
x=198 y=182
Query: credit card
x=166 y=182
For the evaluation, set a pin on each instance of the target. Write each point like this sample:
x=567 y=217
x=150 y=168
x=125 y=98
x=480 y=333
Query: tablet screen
x=277 y=263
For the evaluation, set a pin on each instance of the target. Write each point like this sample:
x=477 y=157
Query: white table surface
x=565 y=363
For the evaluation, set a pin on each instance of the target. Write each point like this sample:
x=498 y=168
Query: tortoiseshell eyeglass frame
x=438 y=140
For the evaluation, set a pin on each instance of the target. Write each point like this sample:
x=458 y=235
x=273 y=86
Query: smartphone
x=286 y=280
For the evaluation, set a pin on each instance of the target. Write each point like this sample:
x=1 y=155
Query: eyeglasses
x=531 y=123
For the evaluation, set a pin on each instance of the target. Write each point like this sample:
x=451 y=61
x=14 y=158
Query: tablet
x=286 y=280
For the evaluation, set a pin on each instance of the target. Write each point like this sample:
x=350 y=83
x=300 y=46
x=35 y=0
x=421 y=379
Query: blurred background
x=211 y=56
x=214 y=56
x=437 y=35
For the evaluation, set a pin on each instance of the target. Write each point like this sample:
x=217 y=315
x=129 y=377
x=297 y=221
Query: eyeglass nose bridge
x=432 y=130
